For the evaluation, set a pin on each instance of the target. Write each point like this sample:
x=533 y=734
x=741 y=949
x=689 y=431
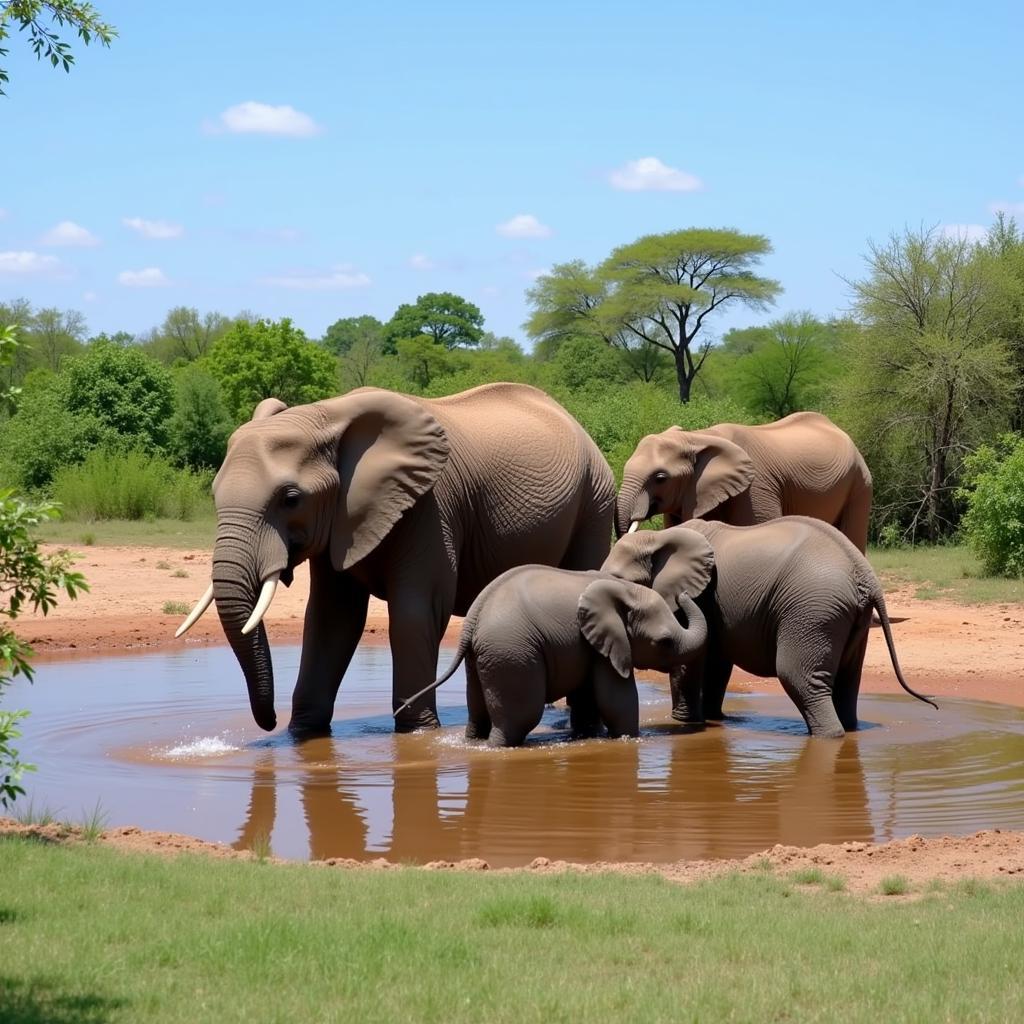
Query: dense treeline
x=923 y=370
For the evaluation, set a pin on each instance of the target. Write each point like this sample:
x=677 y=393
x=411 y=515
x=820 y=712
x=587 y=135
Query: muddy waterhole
x=165 y=741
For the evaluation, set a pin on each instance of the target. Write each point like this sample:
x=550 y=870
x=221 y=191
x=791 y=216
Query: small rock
x=540 y=862
x=474 y=864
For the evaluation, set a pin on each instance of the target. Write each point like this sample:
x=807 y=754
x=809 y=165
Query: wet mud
x=164 y=741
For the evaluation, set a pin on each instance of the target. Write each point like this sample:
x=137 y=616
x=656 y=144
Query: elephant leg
x=478 y=727
x=584 y=717
x=335 y=617
x=617 y=701
x=515 y=698
x=717 y=672
x=846 y=689
x=806 y=666
x=416 y=625
x=855 y=517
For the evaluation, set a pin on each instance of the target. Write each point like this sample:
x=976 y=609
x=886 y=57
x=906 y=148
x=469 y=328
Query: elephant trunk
x=695 y=632
x=633 y=505
x=247 y=553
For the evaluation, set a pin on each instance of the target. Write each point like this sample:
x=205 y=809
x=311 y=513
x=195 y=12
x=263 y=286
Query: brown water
x=164 y=741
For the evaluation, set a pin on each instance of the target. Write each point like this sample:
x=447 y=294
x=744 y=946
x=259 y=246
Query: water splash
x=204 y=746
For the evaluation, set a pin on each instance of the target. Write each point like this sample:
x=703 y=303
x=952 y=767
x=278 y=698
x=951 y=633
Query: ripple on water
x=166 y=742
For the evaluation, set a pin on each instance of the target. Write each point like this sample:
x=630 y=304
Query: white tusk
x=193 y=616
x=634 y=526
x=266 y=596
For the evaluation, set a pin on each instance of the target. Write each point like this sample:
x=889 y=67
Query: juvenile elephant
x=420 y=502
x=536 y=634
x=801 y=465
x=790 y=598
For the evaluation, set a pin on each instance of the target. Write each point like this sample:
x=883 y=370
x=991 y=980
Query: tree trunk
x=683 y=376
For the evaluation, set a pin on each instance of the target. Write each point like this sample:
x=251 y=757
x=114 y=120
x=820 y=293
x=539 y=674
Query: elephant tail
x=460 y=654
x=879 y=604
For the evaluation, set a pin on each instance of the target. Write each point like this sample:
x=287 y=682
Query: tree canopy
x=447 y=319
x=266 y=359
x=41 y=18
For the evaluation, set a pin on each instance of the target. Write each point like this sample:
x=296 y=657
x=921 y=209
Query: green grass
x=90 y=935
x=894 y=885
x=162 y=533
x=950 y=572
x=176 y=608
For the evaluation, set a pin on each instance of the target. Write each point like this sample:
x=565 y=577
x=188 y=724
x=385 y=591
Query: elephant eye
x=661 y=476
x=290 y=497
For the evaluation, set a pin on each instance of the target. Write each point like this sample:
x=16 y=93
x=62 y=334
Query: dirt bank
x=946 y=649
x=985 y=856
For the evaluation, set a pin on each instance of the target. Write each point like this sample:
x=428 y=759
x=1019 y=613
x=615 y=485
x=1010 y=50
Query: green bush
x=200 y=426
x=617 y=416
x=130 y=485
x=994 y=491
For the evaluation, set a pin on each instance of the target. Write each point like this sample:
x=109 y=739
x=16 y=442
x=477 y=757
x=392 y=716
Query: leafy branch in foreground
x=28 y=16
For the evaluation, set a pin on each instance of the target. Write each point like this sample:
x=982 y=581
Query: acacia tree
x=930 y=375
x=662 y=289
x=31 y=17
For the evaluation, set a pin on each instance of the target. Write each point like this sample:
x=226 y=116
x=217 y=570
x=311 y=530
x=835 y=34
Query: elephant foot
x=420 y=722
x=477 y=730
x=307 y=729
x=686 y=718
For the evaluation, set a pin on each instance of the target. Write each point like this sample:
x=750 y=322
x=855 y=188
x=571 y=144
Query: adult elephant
x=420 y=502
x=801 y=465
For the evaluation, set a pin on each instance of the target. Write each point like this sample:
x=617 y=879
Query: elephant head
x=632 y=626
x=331 y=478
x=676 y=563
x=683 y=474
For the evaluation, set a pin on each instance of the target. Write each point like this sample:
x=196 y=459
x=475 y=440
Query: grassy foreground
x=155 y=533
x=91 y=935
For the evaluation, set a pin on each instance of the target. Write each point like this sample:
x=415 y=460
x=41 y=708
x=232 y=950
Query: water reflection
x=163 y=743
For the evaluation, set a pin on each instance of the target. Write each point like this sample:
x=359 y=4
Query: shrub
x=200 y=426
x=130 y=485
x=994 y=491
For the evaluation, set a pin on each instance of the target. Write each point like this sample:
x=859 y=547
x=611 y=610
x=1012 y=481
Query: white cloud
x=252 y=118
x=649 y=174
x=68 y=233
x=490 y=290
x=968 y=232
x=89 y=296
x=26 y=262
x=343 y=277
x=159 y=229
x=420 y=261
x=1013 y=209
x=524 y=225
x=150 y=277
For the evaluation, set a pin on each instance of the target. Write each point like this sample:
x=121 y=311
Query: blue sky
x=341 y=158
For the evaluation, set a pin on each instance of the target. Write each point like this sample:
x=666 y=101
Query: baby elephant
x=791 y=598
x=536 y=634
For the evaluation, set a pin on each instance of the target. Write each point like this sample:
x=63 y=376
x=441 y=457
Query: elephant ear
x=682 y=564
x=602 y=612
x=672 y=562
x=390 y=452
x=721 y=471
x=268 y=407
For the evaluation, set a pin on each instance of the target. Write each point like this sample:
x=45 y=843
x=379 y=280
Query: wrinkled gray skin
x=537 y=634
x=800 y=465
x=790 y=598
x=419 y=502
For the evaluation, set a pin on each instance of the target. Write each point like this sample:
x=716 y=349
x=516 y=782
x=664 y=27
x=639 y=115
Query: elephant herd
x=495 y=504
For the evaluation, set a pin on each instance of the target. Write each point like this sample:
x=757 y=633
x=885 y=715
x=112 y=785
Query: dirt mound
x=987 y=856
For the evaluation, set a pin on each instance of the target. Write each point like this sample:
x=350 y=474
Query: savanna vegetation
x=924 y=371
